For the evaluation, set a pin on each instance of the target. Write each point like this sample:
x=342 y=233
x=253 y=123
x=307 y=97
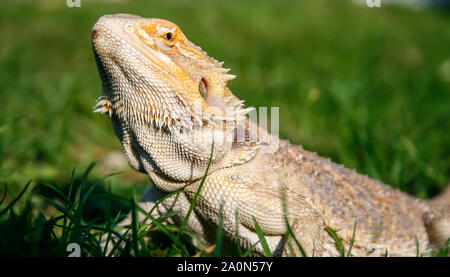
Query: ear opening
x=203 y=87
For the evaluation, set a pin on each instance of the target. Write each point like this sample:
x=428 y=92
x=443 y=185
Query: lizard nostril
x=95 y=34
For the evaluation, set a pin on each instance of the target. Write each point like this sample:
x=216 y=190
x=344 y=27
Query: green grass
x=369 y=88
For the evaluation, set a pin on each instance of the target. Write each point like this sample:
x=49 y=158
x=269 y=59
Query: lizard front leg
x=245 y=197
x=178 y=202
x=309 y=231
x=147 y=203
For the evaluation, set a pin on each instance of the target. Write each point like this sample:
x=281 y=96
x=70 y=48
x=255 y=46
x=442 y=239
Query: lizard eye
x=168 y=36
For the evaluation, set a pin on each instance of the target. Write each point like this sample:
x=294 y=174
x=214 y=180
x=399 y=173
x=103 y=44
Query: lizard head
x=168 y=100
x=151 y=62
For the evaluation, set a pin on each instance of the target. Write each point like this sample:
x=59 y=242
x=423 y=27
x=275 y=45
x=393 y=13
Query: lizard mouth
x=106 y=81
x=97 y=38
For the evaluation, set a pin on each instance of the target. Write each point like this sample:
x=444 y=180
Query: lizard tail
x=437 y=221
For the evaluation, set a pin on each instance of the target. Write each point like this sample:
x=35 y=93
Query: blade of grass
x=108 y=202
x=87 y=193
x=9 y=206
x=162 y=200
x=219 y=236
x=117 y=244
x=134 y=223
x=288 y=245
x=288 y=226
x=72 y=181
x=237 y=242
x=60 y=193
x=194 y=200
x=69 y=195
x=417 y=247
x=352 y=240
x=291 y=233
x=58 y=207
x=109 y=226
x=160 y=219
x=443 y=252
x=250 y=249
x=4 y=194
x=337 y=240
x=262 y=239
x=87 y=171
x=174 y=238
x=87 y=236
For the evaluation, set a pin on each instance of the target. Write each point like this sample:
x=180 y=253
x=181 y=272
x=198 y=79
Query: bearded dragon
x=174 y=115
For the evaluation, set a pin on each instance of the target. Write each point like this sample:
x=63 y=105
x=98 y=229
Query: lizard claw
x=103 y=105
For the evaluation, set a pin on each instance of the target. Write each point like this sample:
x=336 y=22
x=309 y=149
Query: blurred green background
x=367 y=87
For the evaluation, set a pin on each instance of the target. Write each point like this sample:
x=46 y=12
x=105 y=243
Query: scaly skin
x=168 y=101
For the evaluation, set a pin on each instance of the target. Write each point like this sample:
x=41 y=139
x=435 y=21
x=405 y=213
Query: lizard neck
x=172 y=159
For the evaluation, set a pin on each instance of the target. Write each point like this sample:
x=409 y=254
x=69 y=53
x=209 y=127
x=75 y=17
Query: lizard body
x=169 y=104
